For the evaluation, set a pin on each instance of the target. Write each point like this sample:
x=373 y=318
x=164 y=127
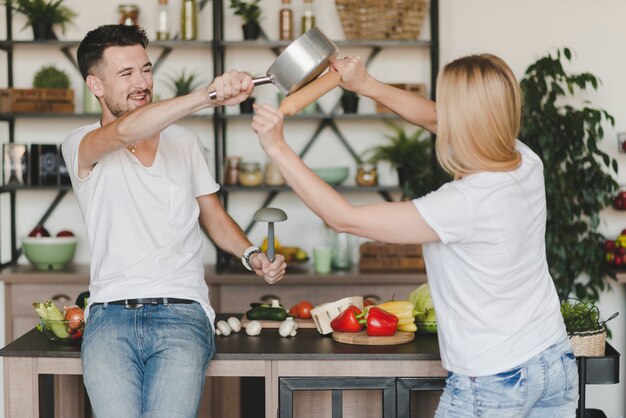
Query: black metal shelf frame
x=326 y=120
x=8 y=45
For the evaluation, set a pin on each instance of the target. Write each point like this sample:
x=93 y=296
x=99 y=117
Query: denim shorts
x=146 y=362
x=546 y=386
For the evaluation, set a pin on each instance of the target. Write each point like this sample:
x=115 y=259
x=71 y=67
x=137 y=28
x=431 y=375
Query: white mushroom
x=223 y=328
x=288 y=328
x=234 y=323
x=275 y=303
x=254 y=328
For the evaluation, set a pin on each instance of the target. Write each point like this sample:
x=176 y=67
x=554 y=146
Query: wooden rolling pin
x=298 y=100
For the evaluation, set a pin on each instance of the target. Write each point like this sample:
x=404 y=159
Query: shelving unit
x=325 y=120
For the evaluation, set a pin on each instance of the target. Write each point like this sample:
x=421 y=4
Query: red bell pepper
x=380 y=322
x=347 y=321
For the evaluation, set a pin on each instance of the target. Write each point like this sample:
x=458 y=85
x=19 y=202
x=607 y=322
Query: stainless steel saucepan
x=300 y=63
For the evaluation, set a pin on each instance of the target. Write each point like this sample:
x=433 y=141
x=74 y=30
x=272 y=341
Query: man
x=142 y=183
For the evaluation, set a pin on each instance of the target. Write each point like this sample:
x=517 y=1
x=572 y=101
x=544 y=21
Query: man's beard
x=118 y=109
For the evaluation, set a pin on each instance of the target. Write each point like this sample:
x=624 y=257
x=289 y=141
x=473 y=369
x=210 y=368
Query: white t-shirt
x=142 y=222
x=495 y=300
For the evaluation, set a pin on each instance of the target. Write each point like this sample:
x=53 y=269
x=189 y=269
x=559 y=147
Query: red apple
x=39 y=231
x=618 y=261
x=609 y=245
x=623 y=232
x=65 y=233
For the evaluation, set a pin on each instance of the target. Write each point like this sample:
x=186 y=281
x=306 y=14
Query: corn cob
x=404 y=311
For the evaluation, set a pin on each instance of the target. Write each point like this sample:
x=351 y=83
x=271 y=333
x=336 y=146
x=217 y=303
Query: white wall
x=518 y=31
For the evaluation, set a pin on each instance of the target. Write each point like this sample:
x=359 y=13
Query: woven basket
x=382 y=19
x=589 y=343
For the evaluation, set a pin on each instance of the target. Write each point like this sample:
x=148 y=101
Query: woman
x=501 y=334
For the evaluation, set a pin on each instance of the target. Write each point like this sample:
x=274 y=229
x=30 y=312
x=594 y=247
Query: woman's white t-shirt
x=495 y=300
x=142 y=222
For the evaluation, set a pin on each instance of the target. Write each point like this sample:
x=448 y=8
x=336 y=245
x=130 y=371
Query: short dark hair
x=92 y=47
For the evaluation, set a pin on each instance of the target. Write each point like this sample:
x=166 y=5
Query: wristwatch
x=245 y=258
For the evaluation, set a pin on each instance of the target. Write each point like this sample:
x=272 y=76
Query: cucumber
x=266 y=313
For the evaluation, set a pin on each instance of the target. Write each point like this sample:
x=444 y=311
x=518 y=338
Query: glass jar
x=129 y=14
x=366 y=175
x=250 y=174
x=231 y=172
x=163 y=31
x=308 y=18
x=189 y=20
x=273 y=176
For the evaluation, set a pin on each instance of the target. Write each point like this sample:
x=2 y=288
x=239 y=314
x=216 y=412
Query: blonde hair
x=478 y=116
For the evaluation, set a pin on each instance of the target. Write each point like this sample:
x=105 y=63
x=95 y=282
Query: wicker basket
x=589 y=343
x=382 y=19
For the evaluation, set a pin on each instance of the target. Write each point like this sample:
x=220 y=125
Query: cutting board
x=302 y=323
x=361 y=338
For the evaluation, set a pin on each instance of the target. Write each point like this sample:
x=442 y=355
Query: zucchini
x=266 y=313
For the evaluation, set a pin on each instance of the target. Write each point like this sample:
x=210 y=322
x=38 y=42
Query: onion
x=75 y=317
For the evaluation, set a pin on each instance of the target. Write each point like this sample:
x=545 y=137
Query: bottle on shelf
x=163 y=32
x=308 y=18
x=129 y=14
x=285 y=18
x=189 y=20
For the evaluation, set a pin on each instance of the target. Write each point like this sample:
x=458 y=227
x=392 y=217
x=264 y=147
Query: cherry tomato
x=304 y=309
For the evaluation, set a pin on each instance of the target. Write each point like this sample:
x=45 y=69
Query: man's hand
x=232 y=87
x=271 y=272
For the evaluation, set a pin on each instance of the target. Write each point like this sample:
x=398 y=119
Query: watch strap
x=245 y=258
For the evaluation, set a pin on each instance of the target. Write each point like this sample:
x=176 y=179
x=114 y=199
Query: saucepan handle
x=266 y=79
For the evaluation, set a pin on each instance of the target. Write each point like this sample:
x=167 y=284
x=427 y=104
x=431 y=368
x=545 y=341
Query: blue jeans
x=147 y=362
x=546 y=386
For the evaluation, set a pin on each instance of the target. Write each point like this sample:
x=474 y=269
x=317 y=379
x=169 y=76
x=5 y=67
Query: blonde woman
x=501 y=334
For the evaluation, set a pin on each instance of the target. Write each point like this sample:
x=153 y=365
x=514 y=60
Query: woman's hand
x=267 y=122
x=271 y=272
x=354 y=76
x=232 y=87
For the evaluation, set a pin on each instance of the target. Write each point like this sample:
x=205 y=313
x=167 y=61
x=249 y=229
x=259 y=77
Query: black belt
x=137 y=303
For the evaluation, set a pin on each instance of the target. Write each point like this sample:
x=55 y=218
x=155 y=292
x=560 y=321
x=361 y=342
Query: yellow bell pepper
x=404 y=311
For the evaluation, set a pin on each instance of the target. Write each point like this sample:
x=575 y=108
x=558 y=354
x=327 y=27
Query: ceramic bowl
x=49 y=253
x=332 y=175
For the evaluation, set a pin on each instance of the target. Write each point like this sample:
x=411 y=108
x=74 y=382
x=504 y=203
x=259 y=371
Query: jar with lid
x=129 y=14
x=308 y=18
x=285 y=17
x=189 y=20
x=273 y=177
x=231 y=172
x=250 y=174
x=163 y=31
x=366 y=175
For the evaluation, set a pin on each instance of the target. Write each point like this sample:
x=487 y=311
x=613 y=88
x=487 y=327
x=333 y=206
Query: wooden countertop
x=79 y=274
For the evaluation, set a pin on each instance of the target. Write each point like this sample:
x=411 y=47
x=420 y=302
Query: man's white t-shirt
x=495 y=300
x=142 y=222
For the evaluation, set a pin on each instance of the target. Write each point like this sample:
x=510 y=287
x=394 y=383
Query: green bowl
x=332 y=175
x=49 y=253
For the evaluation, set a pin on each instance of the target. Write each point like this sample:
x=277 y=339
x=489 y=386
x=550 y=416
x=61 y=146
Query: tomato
x=369 y=302
x=304 y=309
x=294 y=310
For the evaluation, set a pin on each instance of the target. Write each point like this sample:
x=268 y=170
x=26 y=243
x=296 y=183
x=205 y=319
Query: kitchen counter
x=268 y=355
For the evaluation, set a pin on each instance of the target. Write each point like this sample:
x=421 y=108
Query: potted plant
x=182 y=84
x=578 y=175
x=42 y=15
x=50 y=77
x=349 y=101
x=250 y=12
x=584 y=327
x=411 y=156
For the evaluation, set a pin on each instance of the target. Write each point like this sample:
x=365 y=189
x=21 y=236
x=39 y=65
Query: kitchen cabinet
x=324 y=120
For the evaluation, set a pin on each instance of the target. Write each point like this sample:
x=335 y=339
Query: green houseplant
x=42 y=15
x=586 y=330
x=578 y=176
x=250 y=12
x=411 y=155
x=183 y=83
x=51 y=77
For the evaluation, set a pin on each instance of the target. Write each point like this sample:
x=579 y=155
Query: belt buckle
x=132 y=305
